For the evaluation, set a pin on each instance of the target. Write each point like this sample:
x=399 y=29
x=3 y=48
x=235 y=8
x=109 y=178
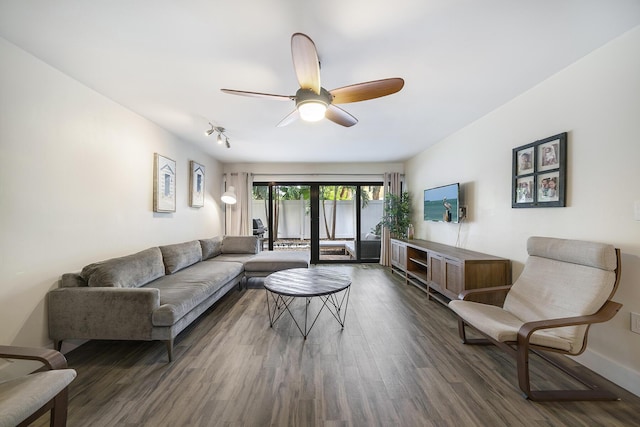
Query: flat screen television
x=441 y=203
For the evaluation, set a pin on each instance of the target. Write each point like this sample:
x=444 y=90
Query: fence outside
x=294 y=223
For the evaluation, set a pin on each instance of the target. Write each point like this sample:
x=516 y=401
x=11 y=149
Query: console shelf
x=444 y=271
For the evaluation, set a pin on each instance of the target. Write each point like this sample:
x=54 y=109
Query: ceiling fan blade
x=292 y=117
x=339 y=116
x=305 y=62
x=259 y=95
x=367 y=90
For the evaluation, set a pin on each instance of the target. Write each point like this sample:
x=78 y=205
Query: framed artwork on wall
x=196 y=185
x=539 y=173
x=164 y=184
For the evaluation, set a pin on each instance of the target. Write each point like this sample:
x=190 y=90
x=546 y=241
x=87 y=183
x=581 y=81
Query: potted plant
x=396 y=215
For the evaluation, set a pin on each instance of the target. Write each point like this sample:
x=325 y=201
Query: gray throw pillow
x=240 y=245
x=211 y=247
x=130 y=271
x=181 y=255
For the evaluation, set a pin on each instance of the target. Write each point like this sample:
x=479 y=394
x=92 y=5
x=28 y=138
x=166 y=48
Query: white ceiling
x=167 y=61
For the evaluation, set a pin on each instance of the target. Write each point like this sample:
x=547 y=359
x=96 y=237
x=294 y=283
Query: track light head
x=221 y=138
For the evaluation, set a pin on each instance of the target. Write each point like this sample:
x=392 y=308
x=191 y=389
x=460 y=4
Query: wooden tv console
x=444 y=271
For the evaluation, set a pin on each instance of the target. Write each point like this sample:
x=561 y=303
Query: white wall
x=76 y=181
x=597 y=101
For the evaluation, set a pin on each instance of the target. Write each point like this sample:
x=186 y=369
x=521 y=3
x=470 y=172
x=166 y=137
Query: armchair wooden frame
x=520 y=348
x=51 y=359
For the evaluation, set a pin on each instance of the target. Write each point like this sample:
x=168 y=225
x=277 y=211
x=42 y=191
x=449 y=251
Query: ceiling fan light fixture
x=312 y=111
x=208 y=132
x=219 y=139
x=312 y=106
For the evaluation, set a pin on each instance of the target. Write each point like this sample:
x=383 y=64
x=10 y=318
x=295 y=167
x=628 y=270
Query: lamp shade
x=229 y=196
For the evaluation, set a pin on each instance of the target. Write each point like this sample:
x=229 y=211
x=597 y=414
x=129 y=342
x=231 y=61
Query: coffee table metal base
x=277 y=305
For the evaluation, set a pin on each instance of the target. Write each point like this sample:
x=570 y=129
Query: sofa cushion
x=240 y=245
x=277 y=260
x=211 y=247
x=183 y=291
x=130 y=271
x=181 y=255
x=232 y=257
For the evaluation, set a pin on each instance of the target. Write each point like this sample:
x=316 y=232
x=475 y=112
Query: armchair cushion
x=503 y=326
x=581 y=252
x=561 y=278
x=26 y=397
x=565 y=286
x=577 y=282
x=23 y=396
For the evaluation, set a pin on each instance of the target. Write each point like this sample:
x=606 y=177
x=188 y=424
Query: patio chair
x=566 y=286
x=26 y=398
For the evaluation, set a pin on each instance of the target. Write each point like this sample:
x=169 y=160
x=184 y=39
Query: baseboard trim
x=621 y=375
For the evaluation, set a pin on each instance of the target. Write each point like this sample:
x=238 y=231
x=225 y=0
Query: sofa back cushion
x=211 y=247
x=240 y=245
x=181 y=255
x=130 y=271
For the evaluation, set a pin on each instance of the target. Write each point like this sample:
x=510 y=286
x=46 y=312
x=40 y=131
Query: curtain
x=392 y=184
x=238 y=216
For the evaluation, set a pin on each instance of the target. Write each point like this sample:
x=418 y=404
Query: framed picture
x=539 y=176
x=196 y=184
x=164 y=184
x=548 y=187
x=525 y=161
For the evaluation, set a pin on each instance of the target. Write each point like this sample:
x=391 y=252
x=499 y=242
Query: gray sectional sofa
x=154 y=294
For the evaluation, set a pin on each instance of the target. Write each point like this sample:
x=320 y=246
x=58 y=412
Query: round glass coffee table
x=283 y=287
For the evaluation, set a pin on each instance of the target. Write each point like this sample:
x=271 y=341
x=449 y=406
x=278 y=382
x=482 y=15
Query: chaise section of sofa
x=267 y=262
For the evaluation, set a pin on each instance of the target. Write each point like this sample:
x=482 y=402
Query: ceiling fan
x=313 y=102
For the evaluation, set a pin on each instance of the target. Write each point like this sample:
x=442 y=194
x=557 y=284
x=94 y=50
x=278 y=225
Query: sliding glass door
x=281 y=216
x=337 y=231
x=336 y=222
x=371 y=206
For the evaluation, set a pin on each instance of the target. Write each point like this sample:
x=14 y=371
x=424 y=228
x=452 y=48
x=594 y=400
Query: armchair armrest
x=606 y=312
x=52 y=359
x=466 y=294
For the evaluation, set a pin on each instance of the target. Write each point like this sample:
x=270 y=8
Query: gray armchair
x=26 y=398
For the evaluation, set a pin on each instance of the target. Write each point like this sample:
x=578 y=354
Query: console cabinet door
x=446 y=275
x=436 y=272
x=453 y=277
x=398 y=255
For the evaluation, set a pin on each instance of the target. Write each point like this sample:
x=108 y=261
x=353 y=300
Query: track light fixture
x=221 y=133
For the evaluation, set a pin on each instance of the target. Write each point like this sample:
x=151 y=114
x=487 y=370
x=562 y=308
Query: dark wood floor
x=398 y=362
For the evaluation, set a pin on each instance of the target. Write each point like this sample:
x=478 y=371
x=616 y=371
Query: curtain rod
x=318 y=174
